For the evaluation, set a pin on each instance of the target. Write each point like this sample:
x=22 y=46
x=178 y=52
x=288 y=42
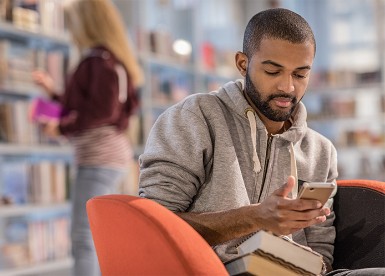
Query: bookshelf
x=171 y=73
x=51 y=40
x=35 y=171
x=345 y=98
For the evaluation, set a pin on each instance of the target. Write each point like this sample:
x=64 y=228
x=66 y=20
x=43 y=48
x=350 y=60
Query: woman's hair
x=98 y=23
x=276 y=23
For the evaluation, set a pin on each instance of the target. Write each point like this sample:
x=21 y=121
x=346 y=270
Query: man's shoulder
x=201 y=98
x=199 y=101
x=215 y=104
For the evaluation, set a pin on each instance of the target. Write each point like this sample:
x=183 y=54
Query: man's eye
x=271 y=73
x=299 y=76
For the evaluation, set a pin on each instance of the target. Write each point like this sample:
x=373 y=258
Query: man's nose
x=286 y=84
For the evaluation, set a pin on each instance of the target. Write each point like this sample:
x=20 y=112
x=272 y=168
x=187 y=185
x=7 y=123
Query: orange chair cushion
x=137 y=236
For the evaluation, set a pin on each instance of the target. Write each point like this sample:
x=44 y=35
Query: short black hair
x=276 y=23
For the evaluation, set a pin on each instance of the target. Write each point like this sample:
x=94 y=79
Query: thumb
x=285 y=189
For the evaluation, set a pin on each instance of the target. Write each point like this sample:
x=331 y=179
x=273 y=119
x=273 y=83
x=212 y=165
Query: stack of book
x=264 y=253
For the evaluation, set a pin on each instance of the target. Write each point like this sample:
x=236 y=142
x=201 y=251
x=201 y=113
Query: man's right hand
x=278 y=214
x=283 y=215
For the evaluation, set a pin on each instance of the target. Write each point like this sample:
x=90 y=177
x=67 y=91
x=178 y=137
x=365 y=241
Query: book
x=42 y=110
x=15 y=182
x=263 y=250
x=259 y=264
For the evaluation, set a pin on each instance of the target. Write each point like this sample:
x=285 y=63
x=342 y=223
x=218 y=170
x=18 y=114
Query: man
x=229 y=162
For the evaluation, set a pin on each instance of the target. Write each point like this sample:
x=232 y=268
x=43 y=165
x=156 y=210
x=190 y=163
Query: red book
x=208 y=55
x=43 y=110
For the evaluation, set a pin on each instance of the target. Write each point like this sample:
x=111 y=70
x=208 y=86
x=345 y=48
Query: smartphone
x=320 y=191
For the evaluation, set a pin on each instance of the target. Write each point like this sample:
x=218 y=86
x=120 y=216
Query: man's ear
x=241 y=63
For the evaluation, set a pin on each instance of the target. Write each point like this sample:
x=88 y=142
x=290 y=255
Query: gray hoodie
x=199 y=158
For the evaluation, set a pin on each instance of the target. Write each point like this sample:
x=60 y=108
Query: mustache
x=282 y=95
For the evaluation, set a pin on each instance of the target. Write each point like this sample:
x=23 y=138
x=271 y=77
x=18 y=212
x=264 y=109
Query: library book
x=43 y=110
x=264 y=253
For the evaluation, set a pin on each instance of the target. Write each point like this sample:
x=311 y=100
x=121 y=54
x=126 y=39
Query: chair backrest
x=137 y=236
x=359 y=206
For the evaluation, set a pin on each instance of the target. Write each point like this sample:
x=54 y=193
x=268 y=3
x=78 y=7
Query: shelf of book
x=20 y=90
x=35 y=171
x=345 y=120
x=346 y=91
x=327 y=89
x=38 y=149
x=26 y=209
x=173 y=73
x=346 y=99
x=172 y=63
x=39 y=269
x=35 y=242
x=49 y=40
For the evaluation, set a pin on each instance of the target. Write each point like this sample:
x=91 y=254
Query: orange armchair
x=136 y=236
x=359 y=206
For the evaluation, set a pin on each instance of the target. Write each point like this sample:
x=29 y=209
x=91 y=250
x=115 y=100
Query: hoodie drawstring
x=253 y=125
x=293 y=171
x=257 y=164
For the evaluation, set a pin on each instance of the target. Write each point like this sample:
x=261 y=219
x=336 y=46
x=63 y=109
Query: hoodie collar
x=239 y=104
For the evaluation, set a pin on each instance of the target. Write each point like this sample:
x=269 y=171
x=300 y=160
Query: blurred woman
x=99 y=97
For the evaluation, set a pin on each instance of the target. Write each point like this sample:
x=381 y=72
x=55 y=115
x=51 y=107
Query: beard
x=263 y=104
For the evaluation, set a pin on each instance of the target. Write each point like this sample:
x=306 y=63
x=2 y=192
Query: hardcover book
x=264 y=253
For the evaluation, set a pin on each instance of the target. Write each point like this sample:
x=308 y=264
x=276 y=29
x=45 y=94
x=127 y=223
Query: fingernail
x=321 y=218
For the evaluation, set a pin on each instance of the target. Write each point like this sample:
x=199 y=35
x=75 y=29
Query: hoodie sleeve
x=178 y=151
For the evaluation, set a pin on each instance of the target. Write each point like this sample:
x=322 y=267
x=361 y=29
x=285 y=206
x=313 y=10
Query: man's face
x=277 y=76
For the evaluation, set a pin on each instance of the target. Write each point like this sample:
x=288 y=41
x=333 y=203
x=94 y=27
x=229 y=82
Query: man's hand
x=283 y=215
x=278 y=213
